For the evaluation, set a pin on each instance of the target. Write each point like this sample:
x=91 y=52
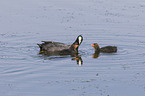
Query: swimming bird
x=106 y=49
x=57 y=48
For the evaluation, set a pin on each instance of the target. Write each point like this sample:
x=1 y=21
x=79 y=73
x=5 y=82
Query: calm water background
x=24 y=23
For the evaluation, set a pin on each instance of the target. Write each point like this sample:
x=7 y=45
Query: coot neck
x=73 y=49
x=97 y=49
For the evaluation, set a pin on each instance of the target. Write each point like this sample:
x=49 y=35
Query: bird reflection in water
x=74 y=57
x=96 y=55
x=79 y=60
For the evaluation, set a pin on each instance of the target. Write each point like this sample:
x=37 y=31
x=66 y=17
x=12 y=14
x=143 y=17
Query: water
x=24 y=72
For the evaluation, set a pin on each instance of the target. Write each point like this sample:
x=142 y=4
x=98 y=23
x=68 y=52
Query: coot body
x=106 y=49
x=57 y=48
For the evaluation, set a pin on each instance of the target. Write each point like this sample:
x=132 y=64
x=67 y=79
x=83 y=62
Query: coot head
x=78 y=40
x=96 y=46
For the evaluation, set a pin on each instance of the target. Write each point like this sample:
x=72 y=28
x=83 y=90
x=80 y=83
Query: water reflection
x=74 y=57
x=96 y=55
x=79 y=60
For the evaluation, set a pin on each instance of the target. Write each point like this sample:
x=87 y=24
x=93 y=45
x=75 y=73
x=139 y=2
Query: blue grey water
x=24 y=23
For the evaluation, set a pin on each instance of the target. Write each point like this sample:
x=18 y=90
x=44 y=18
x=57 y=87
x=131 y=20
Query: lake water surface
x=24 y=23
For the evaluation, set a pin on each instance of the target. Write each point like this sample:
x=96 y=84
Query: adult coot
x=57 y=48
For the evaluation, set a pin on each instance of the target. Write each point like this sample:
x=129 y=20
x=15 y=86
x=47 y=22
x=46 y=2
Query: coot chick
x=57 y=48
x=106 y=49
